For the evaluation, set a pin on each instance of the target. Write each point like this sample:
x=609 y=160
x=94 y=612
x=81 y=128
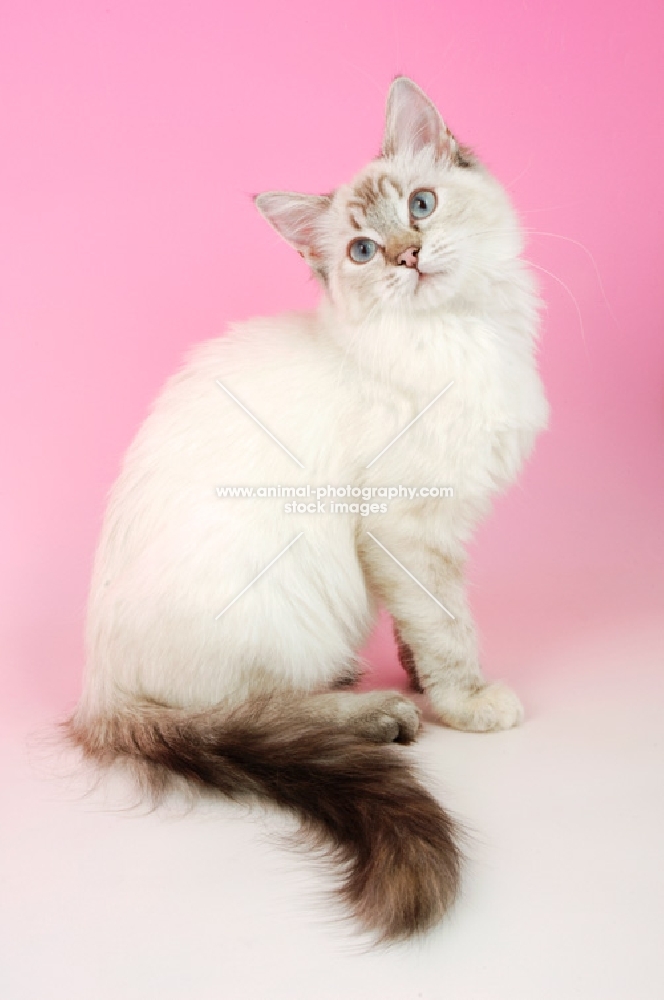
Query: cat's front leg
x=438 y=651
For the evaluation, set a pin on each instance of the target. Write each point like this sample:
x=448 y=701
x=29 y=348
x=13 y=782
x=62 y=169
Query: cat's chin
x=427 y=286
x=435 y=301
x=431 y=291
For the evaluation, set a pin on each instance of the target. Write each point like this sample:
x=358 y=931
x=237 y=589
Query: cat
x=222 y=631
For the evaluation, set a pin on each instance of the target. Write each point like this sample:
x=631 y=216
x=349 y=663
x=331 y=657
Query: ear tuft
x=412 y=122
x=296 y=217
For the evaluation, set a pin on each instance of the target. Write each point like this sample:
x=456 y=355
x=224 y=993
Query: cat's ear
x=298 y=218
x=412 y=122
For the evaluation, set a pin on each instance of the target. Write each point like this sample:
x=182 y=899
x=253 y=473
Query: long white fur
x=335 y=386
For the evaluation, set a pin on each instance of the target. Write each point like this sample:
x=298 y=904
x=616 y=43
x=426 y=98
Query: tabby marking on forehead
x=352 y=218
x=384 y=180
x=367 y=193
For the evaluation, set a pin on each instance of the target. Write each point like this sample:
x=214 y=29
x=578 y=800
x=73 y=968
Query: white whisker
x=571 y=295
x=522 y=174
x=582 y=246
x=558 y=236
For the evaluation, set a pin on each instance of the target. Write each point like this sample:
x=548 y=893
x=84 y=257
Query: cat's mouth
x=423 y=277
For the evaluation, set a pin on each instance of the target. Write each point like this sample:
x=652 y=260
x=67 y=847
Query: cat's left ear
x=298 y=218
x=412 y=122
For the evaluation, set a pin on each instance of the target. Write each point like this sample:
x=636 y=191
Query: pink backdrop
x=132 y=136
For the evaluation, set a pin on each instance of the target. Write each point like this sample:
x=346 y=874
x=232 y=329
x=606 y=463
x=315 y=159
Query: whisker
x=586 y=250
x=522 y=174
x=572 y=297
x=551 y=208
x=558 y=236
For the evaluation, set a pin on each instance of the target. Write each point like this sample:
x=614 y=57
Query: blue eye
x=362 y=250
x=421 y=204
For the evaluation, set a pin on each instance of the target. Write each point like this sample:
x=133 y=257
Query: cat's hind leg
x=377 y=716
x=407 y=661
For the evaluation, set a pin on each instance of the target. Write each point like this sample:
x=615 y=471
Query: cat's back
x=253 y=408
x=278 y=372
x=264 y=356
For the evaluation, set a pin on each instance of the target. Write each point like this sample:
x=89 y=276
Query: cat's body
x=175 y=663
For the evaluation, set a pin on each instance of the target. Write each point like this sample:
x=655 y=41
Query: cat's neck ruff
x=416 y=351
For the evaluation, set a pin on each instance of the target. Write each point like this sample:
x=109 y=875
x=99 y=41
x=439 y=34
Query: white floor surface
x=563 y=896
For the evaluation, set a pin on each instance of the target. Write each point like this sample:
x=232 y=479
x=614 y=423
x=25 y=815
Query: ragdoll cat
x=222 y=631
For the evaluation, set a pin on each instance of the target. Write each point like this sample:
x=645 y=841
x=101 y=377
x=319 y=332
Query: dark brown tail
x=393 y=842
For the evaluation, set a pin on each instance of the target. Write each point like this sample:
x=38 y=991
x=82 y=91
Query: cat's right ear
x=412 y=122
x=298 y=219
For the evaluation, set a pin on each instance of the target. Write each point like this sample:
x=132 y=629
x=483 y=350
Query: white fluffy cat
x=423 y=285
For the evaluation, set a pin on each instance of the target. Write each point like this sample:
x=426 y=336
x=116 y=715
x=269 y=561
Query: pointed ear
x=412 y=122
x=296 y=217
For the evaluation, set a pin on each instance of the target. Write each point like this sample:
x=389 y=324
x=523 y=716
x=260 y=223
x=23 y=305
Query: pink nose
x=408 y=257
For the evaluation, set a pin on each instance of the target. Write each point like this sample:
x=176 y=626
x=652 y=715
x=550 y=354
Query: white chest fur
x=476 y=435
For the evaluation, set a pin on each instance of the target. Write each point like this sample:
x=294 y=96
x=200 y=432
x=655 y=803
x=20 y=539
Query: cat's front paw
x=492 y=708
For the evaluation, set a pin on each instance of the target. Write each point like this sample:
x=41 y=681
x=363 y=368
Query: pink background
x=132 y=136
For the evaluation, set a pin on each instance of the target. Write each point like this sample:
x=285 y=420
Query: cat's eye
x=362 y=250
x=422 y=204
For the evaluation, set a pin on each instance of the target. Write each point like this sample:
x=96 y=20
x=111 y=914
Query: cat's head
x=423 y=224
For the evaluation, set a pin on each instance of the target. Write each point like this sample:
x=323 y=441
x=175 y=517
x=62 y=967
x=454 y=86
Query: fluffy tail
x=394 y=845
